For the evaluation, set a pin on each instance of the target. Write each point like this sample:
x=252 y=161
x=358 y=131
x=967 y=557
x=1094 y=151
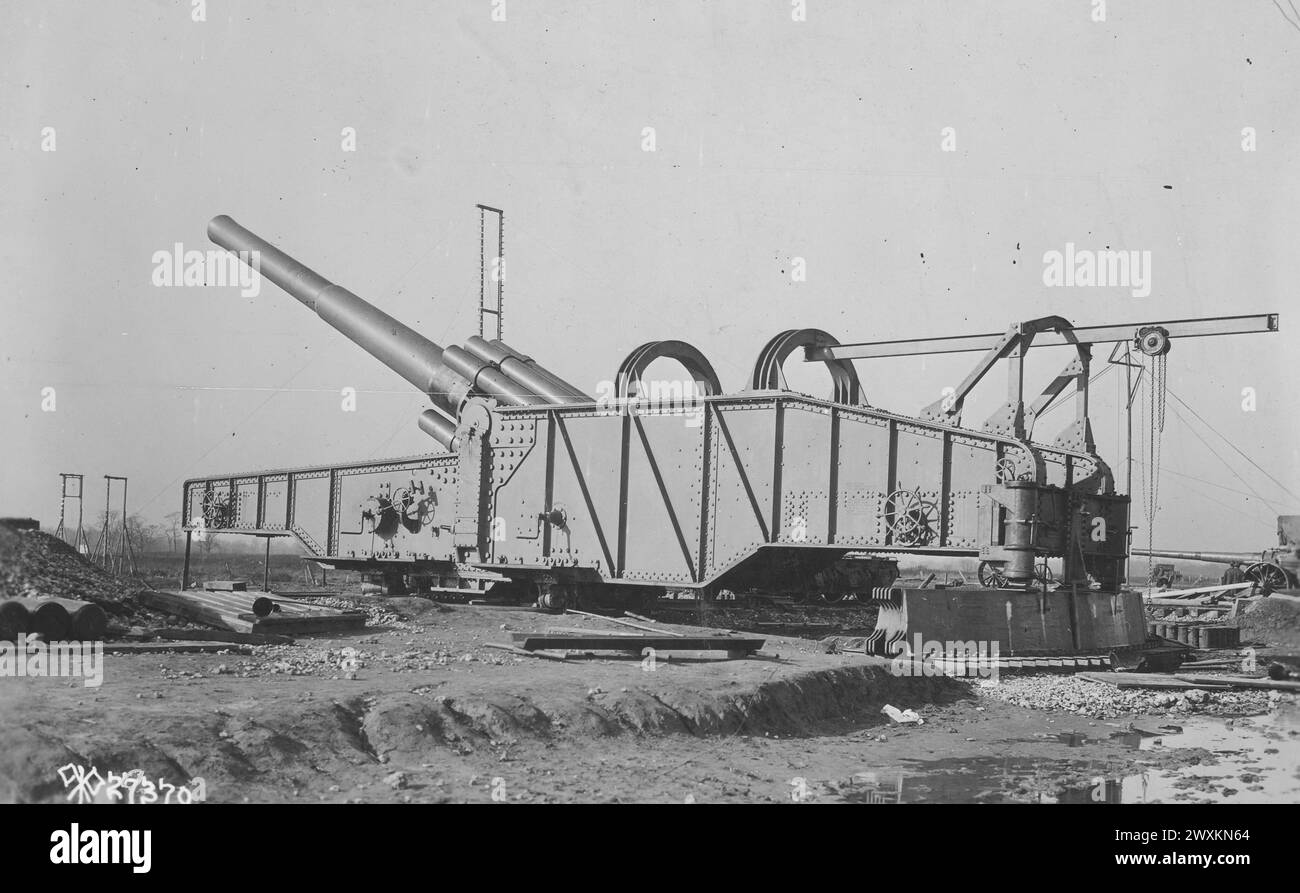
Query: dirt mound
x=36 y=565
x=1273 y=621
x=268 y=749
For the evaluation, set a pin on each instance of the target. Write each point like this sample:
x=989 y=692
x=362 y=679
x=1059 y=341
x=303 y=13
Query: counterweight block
x=1007 y=622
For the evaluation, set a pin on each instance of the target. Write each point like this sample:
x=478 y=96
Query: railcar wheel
x=1267 y=574
x=991 y=576
x=554 y=599
x=910 y=518
x=1043 y=574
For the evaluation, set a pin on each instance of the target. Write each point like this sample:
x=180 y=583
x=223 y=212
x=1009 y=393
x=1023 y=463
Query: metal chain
x=1161 y=391
x=1156 y=428
x=1162 y=368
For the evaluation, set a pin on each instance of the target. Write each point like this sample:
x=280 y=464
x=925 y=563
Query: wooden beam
x=533 y=641
x=546 y=655
x=209 y=635
x=1243 y=682
x=647 y=629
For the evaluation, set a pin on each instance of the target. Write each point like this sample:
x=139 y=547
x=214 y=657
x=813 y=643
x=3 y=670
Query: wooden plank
x=1145 y=680
x=1103 y=678
x=182 y=606
x=532 y=641
x=209 y=635
x=524 y=652
x=579 y=631
x=1180 y=593
x=665 y=632
x=242 y=603
x=1186 y=605
x=483 y=606
x=1241 y=682
x=236 y=603
x=302 y=626
x=288 y=618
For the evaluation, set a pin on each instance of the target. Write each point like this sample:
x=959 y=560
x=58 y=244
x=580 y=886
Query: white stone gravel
x=1073 y=694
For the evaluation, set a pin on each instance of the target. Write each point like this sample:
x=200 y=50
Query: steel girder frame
x=317 y=505
x=678 y=497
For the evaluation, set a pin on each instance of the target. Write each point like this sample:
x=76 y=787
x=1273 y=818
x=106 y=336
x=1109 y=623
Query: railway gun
x=537 y=491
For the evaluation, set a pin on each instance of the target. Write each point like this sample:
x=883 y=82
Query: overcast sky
x=774 y=139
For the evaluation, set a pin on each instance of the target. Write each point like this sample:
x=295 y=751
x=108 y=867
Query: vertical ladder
x=499 y=266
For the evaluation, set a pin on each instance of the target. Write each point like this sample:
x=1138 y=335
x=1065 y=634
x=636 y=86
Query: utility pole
x=78 y=541
x=125 y=558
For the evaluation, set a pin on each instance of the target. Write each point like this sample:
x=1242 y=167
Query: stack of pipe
x=448 y=376
x=14 y=619
x=53 y=619
x=87 y=621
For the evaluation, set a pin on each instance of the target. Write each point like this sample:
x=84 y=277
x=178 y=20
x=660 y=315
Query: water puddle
x=1195 y=760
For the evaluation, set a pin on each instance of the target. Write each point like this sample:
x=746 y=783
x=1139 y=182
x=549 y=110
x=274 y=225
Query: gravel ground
x=392 y=613
x=1073 y=694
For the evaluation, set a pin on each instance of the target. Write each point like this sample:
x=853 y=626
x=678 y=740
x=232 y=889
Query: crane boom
x=1181 y=328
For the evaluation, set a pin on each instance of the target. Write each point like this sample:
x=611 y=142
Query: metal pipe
x=88 y=621
x=51 y=620
x=1020 y=532
x=405 y=351
x=487 y=378
x=14 y=620
x=527 y=372
x=439 y=427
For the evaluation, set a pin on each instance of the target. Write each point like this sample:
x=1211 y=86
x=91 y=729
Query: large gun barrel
x=1211 y=557
x=447 y=376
